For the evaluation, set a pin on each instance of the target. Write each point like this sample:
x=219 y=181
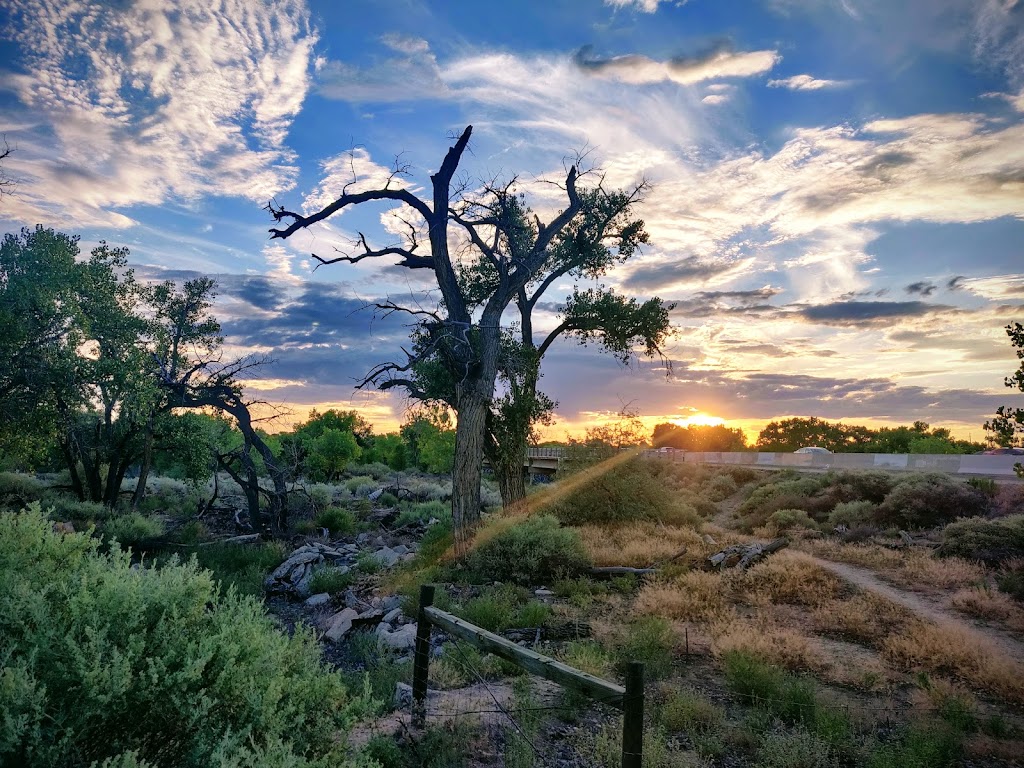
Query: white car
x=814 y=451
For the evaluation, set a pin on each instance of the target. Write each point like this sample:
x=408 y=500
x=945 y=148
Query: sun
x=699 y=420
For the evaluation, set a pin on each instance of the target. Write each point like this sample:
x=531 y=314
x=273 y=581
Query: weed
x=865 y=617
x=650 y=640
x=368 y=563
x=986 y=603
x=589 y=657
x=380 y=671
x=1010 y=578
x=790 y=698
x=799 y=748
x=792 y=578
x=641 y=544
x=784 y=646
x=922 y=746
x=688 y=712
x=330 y=580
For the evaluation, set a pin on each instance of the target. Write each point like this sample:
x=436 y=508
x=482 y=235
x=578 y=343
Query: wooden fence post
x=421 y=658
x=633 y=716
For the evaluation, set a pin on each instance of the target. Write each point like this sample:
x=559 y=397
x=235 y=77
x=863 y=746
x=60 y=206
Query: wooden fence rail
x=630 y=699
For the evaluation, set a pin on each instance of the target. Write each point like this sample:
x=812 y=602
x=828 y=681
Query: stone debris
x=340 y=624
x=319 y=599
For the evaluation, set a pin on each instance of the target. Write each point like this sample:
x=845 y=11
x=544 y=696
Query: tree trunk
x=511 y=483
x=147 y=460
x=72 y=463
x=469 y=451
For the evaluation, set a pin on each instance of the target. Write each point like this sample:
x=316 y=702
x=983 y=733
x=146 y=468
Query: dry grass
x=916 y=566
x=792 y=578
x=695 y=596
x=957 y=653
x=641 y=544
x=866 y=617
x=783 y=646
x=991 y=605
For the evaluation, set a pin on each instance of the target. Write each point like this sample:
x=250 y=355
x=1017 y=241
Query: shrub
x=361 y=485
x=929 y=746
x=60 y=507
x=423 y=512
x=1010 y=579
x=534 y=551
x=720 y=487
x=990 y=541
x=18 y=490
x=1009 y=499
x=132 y=529
x=852 y=514
x=928 y=500
x=340 y=522
x=628 y=492
x=797 y=749
x=101 y=658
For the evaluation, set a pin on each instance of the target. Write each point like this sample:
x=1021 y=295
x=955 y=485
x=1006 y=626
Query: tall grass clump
x=629 y=492
x=100 y=660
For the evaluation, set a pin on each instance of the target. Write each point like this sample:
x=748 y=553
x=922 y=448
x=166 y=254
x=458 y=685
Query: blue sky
x=836 y=201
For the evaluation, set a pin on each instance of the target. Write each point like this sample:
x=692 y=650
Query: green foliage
x=100 y=659
x=799 y=748
x=534 y=551
x=986 y=485
x=339 y=521
x=1010 y=579
x=368 y=563
x=61 y=507
x=329 y=454
x=921 y=746
x=499 y=608
x=628 y=492
x=991 y=541
x=423 y=512
x=379 y=674
x=650 y=640
x=241 y=567
x=132 y=530
x=720 y=487
x=790 y=698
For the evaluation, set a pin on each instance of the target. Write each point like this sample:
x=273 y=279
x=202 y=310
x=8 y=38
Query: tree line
x=787 y=435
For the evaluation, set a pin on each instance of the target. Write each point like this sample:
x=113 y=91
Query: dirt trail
x=928 y=608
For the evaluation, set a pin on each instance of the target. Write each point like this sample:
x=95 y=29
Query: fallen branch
x=743 y=556
x=620 y=570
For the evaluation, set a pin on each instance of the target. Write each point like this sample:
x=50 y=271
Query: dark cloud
x=956 y=283
x=707 y=303
x=259 y=291
x=691 y=268
x=922 y=288
x=868 y=313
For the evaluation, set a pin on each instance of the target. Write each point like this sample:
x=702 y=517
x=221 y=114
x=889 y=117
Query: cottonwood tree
x=491 y=224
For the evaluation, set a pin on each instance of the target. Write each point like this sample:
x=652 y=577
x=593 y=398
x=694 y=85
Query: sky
x=835 y=201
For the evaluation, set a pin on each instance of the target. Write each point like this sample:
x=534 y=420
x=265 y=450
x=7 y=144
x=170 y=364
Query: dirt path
x=928 y=608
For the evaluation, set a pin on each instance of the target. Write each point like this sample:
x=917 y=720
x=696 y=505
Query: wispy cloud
x=807 y=83
x=410 y=74
x=716 y=63
x=146 y=103
x=646 y=6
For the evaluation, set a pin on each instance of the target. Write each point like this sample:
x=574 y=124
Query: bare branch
x=409 y=259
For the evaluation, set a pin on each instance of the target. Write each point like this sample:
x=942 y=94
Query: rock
x=401 y=549
x=403 y=695
x=320 y=599
x=293 y=575
x=373 y=496
x=390 y=616
x=388 y=557
x=433 y=521
x=543 y=593
x=339 y=624
x=390 y=603
x=372 y=616
x=401 y=639
x=362 y=538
